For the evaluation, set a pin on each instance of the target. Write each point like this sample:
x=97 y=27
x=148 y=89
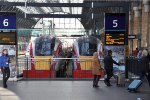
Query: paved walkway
x=68 y=90
x=6 y=94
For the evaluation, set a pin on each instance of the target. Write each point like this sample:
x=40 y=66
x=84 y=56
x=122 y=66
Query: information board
x=113 y=38
x=115 y=29
x=8 y=38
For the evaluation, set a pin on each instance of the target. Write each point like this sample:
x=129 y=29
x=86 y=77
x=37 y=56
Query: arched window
x=61 y=26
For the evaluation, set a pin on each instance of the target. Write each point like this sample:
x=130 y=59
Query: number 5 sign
x=115 y=21
x=7 y=20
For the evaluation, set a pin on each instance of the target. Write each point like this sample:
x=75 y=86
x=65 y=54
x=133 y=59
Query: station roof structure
x=29 y=12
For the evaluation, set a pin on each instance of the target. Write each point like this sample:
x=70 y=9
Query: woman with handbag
x=96 y=67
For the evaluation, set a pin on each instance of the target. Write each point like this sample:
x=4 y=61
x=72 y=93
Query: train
x=42 y=50
x=45 y=48
x=83 y=49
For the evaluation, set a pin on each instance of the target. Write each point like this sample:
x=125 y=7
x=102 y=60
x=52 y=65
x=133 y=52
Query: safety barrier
x=55 y=68
x=136 y=67
x=68 y=67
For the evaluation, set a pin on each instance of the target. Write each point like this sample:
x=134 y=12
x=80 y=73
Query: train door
x=65 y=62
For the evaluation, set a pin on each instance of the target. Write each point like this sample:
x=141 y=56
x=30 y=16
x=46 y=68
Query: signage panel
x=7 y=20
x=8 y=38
x=115 y=29
x=115 y=38
x=115 y=21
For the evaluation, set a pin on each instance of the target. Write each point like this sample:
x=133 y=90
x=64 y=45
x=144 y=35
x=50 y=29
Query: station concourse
x=53 y=46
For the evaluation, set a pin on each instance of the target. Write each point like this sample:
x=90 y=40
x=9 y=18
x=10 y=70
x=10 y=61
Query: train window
x=43 y=47
x=87 y=49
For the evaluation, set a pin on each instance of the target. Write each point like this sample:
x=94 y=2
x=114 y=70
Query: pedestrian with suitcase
x=120 y=78
x=108 y=66
x=135 y=84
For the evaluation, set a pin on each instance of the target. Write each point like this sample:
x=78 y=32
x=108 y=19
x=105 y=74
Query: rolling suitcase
x=120 y=79
x=135 y=84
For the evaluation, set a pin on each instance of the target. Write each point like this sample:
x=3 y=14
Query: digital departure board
x=8 y=38
x=113 y=38
x=115 y=29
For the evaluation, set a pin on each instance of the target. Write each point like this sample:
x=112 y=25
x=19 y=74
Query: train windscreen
x=87 y=48
x=44 y=46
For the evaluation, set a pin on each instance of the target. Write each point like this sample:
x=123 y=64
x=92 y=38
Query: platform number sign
x=115 y=29
x=115 y=21
x=7 y=20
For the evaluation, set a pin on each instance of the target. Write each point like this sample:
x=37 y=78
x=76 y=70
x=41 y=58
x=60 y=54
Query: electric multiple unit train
x=42 y=50
x=83 y=49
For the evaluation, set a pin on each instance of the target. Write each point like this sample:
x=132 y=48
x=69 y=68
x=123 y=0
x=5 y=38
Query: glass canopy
x=45 y=10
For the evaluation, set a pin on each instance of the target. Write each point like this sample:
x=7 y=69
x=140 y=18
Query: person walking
x=96 y=67
x=4 y=64
x=144 y=62
x=108 y=66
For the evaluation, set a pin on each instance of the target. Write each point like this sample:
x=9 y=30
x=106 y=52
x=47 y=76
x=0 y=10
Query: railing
x=69 y=67
x=55 y=68
x=136 y=67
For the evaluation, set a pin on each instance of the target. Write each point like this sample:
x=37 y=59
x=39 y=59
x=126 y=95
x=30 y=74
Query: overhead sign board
x=115 y=29
x=7 y=20
x=8 y=38
x=115 y=38
x=115 y=21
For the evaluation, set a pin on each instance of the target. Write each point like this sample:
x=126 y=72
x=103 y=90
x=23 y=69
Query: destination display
x=8 y=38
x=115 y=38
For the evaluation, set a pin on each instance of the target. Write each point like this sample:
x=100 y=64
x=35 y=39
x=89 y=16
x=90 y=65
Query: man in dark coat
x=108 y=65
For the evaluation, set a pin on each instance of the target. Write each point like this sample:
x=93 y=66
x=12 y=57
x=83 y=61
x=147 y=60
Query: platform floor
x=68 y=90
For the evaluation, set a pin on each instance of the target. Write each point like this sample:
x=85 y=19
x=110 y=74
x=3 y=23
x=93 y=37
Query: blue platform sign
x=7 y=20
x=115 y=21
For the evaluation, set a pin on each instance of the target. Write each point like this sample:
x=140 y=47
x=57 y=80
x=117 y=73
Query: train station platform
x=69 y=90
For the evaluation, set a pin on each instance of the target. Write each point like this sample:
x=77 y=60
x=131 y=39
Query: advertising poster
x=118 y=54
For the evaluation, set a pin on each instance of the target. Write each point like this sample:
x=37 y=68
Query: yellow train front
x=83 y=49
x=42 y=50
